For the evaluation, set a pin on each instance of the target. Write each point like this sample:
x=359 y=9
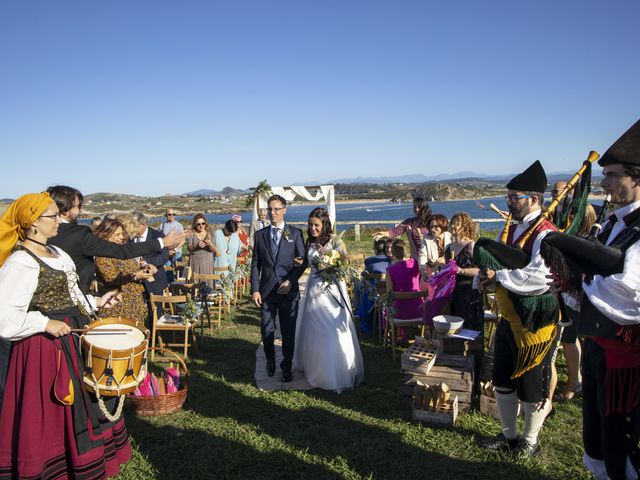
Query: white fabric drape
x=326 y=192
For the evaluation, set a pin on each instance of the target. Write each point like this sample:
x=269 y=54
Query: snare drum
x=115 y=355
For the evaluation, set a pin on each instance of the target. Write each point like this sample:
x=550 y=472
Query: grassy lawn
x=230 y=429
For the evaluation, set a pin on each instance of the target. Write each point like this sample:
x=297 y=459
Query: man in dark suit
x=278 y=262
x=82 y=245
x=157 y=258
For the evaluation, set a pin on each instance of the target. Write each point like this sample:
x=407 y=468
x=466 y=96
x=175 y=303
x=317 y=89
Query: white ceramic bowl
x=447 y=324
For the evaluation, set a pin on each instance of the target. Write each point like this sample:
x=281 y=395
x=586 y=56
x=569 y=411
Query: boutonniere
x=286 y=234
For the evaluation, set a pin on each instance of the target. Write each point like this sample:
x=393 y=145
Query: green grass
x=230 y=429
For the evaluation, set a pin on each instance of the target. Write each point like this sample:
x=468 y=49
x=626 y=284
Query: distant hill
x=444 y=177
x=225 y=191
x=201 y=192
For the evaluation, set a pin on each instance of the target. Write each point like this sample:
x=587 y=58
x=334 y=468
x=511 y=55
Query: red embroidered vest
x=528 y=245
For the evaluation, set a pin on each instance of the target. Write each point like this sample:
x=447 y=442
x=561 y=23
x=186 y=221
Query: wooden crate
x=448 y=345
x=444 y=415
x=418 y=358
x=488 y=406
x=456 y=371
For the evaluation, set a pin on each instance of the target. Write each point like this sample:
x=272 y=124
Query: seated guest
x=126 y=276
x=377 y=263
x=228 y=243
x=202 y=250
x=466 y=301
x=415 y=227
x=431 y=253
x=404 y=276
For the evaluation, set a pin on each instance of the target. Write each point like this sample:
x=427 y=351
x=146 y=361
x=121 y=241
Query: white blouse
x=18 y=282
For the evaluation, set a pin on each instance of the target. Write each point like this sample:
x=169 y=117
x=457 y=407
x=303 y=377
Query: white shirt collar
x=143 y=237
x=530 y=217
x=626 y=210
x=280 y=226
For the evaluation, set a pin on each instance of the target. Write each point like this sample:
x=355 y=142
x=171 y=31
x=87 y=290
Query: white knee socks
x=533 y=420
x=508 y=409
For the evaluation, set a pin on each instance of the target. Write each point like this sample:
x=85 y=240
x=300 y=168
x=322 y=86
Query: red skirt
x=37 y=437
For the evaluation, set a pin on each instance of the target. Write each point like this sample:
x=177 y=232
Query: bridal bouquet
x=332 y=265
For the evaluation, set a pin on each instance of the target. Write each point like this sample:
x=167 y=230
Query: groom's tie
x=275 y=237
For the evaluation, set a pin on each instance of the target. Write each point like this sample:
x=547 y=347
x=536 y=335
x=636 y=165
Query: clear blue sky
x=150 y=97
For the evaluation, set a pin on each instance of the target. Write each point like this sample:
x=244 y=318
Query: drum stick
x=105 y=330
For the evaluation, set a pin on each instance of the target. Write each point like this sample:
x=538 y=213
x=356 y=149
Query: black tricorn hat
x=533 y=179
x=624 y=150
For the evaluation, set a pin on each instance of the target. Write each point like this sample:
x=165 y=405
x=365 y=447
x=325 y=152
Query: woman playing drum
x=50 y=426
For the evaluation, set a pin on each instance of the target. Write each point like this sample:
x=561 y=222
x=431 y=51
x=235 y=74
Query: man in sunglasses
x=166 y=227
x=526 y=335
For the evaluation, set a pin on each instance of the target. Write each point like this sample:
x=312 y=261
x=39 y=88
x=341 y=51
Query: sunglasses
x=171 y=214
x=200 y=224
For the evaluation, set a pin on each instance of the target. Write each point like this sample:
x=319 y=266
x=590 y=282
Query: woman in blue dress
x=227 y=242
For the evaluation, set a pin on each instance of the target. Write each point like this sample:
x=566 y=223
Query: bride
x=326 y=346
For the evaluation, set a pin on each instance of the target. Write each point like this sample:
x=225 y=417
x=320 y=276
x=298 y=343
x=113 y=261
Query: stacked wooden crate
x=457 y=371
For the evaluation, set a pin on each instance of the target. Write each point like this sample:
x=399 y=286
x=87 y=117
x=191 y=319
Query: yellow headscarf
x=18 y=218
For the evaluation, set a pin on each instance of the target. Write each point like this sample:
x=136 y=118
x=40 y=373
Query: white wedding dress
x=326 y=345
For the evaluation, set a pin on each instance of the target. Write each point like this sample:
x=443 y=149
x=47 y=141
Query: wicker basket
x=161 y=404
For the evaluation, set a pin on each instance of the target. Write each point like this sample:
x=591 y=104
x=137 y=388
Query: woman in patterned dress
x=126 y=276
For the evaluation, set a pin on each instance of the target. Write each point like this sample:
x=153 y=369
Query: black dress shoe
x=271 y=366
x=526 y=450
x=286 y=376
x=500 y=442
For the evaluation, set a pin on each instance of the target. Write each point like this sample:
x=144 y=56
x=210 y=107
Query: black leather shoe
x=271 y=366
x=286 y=376
x=526 y=450
x=500 y=442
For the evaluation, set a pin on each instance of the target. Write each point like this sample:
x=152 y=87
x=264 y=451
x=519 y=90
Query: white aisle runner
x=269 y=384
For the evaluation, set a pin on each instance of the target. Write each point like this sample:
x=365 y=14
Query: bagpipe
x=537 y=311
x=573 y=259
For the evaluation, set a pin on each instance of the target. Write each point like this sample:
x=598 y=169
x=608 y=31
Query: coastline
x=87 y=214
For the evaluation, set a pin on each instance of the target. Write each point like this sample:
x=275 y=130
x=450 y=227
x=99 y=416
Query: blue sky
x=151 y=97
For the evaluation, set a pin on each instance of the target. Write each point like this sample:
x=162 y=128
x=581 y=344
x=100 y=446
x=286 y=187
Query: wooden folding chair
x=171 y=322
x=393 y=322
x=179 y=270
x=216 y=300
x=244 y=281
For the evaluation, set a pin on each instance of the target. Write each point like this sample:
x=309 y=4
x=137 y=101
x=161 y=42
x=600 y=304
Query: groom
x=274 y=282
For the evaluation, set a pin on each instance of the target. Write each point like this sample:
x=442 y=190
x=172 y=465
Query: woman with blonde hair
x=49 y=425
x=466 y=302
